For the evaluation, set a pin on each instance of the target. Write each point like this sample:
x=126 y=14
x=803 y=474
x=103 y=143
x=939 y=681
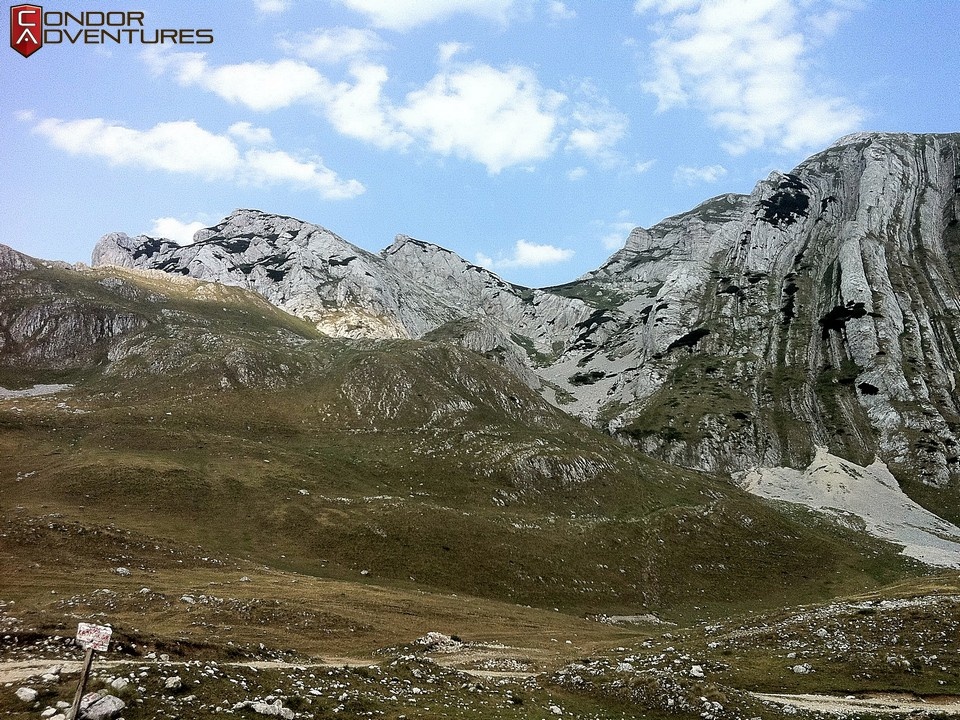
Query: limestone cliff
x=819 y=310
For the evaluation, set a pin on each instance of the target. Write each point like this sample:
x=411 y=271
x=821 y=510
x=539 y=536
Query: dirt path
x=20 y=670
x=881 y=703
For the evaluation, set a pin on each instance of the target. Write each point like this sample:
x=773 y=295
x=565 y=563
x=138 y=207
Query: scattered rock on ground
x=105 y=708
x=438 y=642
x=274 y=709
x=27 y=694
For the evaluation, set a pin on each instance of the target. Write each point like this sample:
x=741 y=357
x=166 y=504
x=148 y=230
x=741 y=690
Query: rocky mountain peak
x=12 y=261
x=403 y=243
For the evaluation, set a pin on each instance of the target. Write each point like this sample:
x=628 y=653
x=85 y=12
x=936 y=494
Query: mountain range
x=800 y=340
x=819 y=310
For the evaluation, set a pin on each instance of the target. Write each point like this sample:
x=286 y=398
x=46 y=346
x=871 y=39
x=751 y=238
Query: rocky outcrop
x=521 y=328
x=410 y=290
x=12 y=262
x=300 y=267
x=821 y=309
x=61 y=335
x=43 y=326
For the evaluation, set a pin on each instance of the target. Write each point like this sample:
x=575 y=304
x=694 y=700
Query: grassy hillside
x=220 y=422
x=220 y=483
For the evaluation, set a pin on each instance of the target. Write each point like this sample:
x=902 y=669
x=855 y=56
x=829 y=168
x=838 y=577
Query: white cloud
x=577 y=173
x=406 y=14
x=250 y=134
x=526 y=255
x=360 y=110
x=599 y=127
x=258 y=85
x=448 y=50
x=173 y=229
x=498 y=118
x=178 y=147
x=745 y=63
x=696 y=175
x=184 y=147
x=270 y=7
x=484 y=260
x=559 y=11
x=265 y=167
x=265 y=86
x=595 y=127
x=333 y=45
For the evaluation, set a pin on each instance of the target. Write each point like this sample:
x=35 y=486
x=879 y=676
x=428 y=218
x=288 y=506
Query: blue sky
x=529 y=136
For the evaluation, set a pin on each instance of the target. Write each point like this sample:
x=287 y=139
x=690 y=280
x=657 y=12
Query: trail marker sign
x=89 y=637
x=93 y=637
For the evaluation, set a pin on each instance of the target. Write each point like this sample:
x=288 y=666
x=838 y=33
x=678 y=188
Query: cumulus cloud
x=496 y=117
x=258 y=85
x=333 y=45
x=695 y=175
x=271 y=167
x=406 y=14
x=577 y=173
x=360 y=109
x=183 y=147
x=526 y=255
x=745 y=63
x=173 y=229
x=499 y=117
x=177 y=147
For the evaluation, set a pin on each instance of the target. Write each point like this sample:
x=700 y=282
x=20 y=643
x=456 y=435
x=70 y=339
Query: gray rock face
x=12 y=262
x=43 y=327
x=821 y=309
x=522 y=328
x=300 y=267
x=410 y=290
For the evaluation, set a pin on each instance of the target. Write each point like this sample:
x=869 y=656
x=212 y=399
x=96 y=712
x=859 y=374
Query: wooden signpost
x=90 y=637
